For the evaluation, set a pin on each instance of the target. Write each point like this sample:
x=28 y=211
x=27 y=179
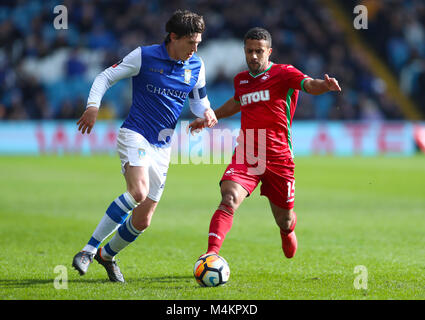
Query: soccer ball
x=211 y=270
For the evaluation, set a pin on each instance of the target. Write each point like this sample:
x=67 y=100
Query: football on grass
x=211 y=270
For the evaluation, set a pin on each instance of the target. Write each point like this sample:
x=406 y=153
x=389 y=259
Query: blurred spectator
x=17 y=110
x=74 y=65
x=3 y=111
x=66 y=110
x=71 y=109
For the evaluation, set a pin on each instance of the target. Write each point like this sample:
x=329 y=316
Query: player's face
x=257 y=53
x=186 y=46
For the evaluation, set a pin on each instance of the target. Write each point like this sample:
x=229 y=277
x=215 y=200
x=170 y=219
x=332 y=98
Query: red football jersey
x=268 y=101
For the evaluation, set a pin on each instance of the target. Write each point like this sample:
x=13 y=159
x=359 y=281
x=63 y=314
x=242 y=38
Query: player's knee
x=229 y=201
x=285 y=225
x=139 y=193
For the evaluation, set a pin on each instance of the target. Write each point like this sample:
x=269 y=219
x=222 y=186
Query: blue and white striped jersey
x=160 y=88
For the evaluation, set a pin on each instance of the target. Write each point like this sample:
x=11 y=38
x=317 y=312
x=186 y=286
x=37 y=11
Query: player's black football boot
x=111 y=267
x=81 y=261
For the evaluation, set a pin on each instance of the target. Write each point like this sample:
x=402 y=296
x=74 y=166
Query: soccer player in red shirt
x=266 y=95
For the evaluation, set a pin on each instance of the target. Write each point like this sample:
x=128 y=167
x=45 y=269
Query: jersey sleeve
x=198 y=99
x=128 y=67
x=293 y=77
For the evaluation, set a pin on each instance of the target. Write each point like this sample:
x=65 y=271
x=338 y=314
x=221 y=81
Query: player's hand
x=87 y=120
x=196 y=125
x=332 y=84
x=210 y=118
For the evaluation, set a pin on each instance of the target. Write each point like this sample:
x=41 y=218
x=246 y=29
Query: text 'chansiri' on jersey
x=161 y=86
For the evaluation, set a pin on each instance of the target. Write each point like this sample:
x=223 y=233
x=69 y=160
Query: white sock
x=115 y=215
x=125 y=235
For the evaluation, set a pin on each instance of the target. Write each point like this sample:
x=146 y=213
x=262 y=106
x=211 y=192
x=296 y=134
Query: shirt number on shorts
x=291 y=191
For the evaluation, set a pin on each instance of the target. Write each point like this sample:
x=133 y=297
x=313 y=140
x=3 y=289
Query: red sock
x=220 y=225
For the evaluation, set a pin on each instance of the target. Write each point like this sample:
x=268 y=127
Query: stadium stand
x=396 y=31
x=47 y=73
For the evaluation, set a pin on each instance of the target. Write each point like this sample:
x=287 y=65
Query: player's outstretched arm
x=87 y=120
x=229 y=108
x=126 y=68
x=319 y=86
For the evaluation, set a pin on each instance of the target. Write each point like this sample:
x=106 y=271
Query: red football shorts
x=277 y=180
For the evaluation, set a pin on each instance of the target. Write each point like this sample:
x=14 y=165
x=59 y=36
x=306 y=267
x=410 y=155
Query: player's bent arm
x=202 y=110
x=228 y=109
x=199 y=106
x=319 y=86
x=126 y=68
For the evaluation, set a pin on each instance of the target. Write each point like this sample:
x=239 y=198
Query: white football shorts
x=134 y=149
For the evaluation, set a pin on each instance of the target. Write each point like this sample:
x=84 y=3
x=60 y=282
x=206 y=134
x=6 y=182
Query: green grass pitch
x=351 y=212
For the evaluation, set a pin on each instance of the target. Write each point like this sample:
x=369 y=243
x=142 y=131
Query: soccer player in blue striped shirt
x=163 y=76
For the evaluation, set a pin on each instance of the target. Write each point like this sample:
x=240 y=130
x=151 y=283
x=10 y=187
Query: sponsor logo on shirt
x=265 y=77
x=166 y=91
x=243 y=81
x=252 y=97
x=156 y=70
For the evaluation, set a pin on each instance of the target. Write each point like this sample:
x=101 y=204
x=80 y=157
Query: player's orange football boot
x=289 y=240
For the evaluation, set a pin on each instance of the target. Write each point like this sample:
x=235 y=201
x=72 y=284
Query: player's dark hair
x=184 y=23
x=258 y=34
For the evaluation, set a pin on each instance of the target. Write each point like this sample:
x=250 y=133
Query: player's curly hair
x=184 y=23
x=258 y=34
